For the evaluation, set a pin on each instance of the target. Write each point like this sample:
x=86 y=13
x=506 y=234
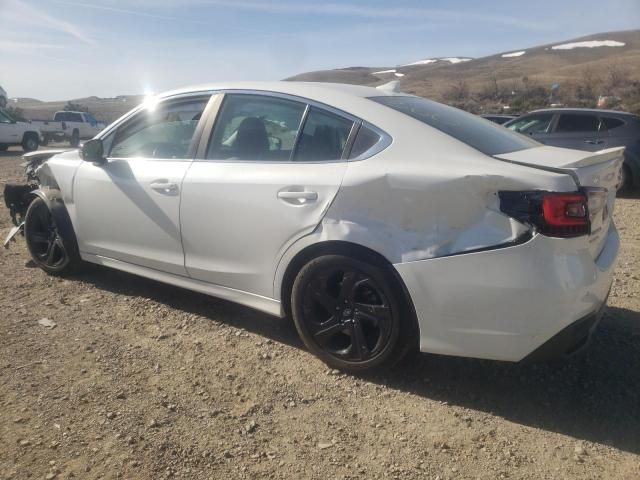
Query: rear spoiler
x=601 y=156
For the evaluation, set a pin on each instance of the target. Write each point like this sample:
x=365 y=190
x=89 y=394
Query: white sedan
x=377 y=220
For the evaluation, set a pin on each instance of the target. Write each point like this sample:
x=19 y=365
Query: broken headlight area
x=17 y=199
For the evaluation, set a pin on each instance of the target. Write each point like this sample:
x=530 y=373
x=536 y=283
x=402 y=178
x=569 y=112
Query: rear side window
x=365 y=140
x=487 y=137
x=323 y=137
x=255 y=127
x=165 y=131
x=612 y=123
x=90 y=120
x=571 y=122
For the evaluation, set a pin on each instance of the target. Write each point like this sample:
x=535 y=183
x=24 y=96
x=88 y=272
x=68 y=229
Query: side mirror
x=93 y=151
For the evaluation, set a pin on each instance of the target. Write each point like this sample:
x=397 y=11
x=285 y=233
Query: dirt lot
x=143 y=380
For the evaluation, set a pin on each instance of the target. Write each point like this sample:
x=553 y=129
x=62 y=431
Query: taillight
x=552 y=214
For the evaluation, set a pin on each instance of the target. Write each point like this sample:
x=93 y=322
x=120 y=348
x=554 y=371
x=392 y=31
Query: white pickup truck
x=13 y=132
x=71 y=126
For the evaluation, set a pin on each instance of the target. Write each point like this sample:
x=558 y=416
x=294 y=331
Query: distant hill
x=564 y=63
x=104 y=109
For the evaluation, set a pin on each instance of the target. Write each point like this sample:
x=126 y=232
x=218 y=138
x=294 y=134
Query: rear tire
x=30 y=142
x=625 y=180
x=49 y=249
x=350 y=314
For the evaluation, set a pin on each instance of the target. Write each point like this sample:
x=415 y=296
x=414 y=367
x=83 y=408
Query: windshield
x=538 y=123
x=483 y=135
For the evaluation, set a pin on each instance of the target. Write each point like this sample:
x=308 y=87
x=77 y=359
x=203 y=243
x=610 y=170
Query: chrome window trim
x=116 y=124
x=382 y=144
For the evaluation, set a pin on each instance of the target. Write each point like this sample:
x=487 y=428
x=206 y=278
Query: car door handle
x=594 y=142
x=298 y=197
x=166 y=188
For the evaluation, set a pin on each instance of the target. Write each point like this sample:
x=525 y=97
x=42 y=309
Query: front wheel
x=349 y=313
x=49 y=250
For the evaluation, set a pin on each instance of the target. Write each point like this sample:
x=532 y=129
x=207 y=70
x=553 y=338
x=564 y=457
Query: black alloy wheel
x=346 y=312
x=44 y=242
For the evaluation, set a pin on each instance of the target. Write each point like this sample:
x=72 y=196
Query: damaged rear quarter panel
x=412 y=206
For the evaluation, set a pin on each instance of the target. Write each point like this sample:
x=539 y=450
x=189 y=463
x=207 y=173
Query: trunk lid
x=597 y=172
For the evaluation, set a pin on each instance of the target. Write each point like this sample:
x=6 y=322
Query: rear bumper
x=506 y=304
x=567 y=341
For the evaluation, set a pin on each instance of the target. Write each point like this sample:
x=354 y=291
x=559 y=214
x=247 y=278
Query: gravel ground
x=143 y=380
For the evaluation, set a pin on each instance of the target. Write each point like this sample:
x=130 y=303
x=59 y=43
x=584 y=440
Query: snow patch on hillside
x=514 y=54
x=427 y=61
x=455 y=59
x=421 y=62
x=588 y=44
x=393 y=70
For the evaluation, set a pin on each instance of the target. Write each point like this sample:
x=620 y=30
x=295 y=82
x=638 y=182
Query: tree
x=617 y=76
x=17 y=113
x=458 y=92
x=75 y=107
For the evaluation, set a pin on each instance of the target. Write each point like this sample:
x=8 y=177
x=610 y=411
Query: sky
x=64 y=49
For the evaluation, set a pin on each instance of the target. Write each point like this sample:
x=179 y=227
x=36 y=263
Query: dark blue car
x=587 y=129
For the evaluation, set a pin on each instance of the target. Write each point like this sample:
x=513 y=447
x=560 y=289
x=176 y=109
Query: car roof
x=338 y=95
x=596 y=111
x=292 y=88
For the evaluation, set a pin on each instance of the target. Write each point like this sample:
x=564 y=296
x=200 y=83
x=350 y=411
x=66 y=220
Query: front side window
x=255 y=127
x=323 y=137
x=532 y=124
x=165 y=131
x=486 y=137
x=5 y=118
x=570 y=123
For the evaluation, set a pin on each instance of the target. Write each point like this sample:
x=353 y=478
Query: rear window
x=612 y=123
x=487 y=137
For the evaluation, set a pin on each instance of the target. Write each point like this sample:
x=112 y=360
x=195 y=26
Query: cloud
x=20 y=13
x=12 y=46
x=319 y=8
